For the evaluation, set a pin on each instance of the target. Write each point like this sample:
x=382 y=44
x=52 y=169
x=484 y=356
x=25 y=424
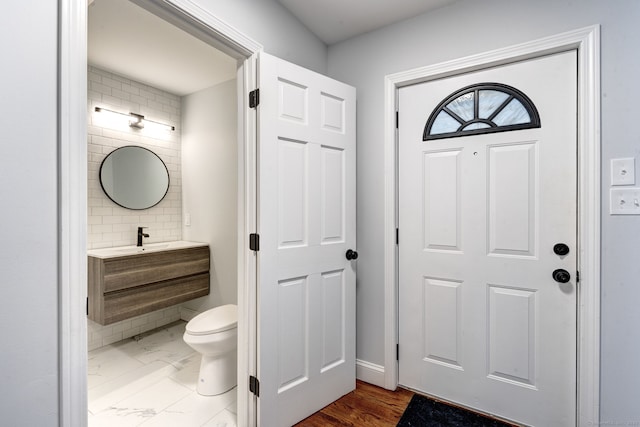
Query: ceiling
x=127 y=40
x=337 y=20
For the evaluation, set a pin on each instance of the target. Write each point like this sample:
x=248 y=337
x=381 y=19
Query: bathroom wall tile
x=119 y=91
x=99 y=335
x=94 y=220
x=94 y=95
x=112 y=338
x=99 y=87
x=109 y=81
x=112 y=219
x=102 y=228
x=130 y=332
x=124 y=96
x=94 y=77
x=121 y=326
x=171 y=311
x=139 y=321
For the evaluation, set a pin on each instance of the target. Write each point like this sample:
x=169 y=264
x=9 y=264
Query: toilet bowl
x=214 y=334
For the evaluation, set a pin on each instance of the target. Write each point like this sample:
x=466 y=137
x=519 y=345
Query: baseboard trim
x=370 y=372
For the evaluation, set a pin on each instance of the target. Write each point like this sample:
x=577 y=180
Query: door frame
x=72 y=194
x=586 y=41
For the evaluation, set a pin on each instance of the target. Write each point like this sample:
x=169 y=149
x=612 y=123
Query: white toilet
x=214 y=334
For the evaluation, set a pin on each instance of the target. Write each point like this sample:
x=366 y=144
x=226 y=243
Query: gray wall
x=28 y=188
x=273 y=26
x=470 y=27
x=28 y=218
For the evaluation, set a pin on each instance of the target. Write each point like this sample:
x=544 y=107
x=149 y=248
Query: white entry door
x=487 y=177
x=306 y=222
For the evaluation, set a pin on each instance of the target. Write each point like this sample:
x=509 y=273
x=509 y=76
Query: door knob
x=561 y=276
x=560 y=249
x=351 y=254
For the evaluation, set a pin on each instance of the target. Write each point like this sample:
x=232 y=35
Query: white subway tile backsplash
x=99 y=335
x=111 y=219
x=99 y=87
x=100 y=211
x=93 y=76
x=111 y=82
x=112 y=338
x=130 y=89
x=146 y=93
x=113 y=100
x=120 y=93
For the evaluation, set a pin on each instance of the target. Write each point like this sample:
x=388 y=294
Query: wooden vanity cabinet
x=130 y=285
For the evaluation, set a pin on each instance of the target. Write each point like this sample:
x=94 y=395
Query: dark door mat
x=425 y=412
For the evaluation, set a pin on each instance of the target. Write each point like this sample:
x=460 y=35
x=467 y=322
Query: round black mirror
x=134 y=177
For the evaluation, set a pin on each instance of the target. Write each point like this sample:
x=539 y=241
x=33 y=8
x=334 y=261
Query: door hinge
x=397 y=120
x=397 y=236
x=397 y=351
x=577 y=277
x=254 y=242
x=254 y=386
x=254 y=98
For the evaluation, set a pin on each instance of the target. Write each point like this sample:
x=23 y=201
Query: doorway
x=487 y=211
x=586 y=43
x=169 y=77
x=73 y=172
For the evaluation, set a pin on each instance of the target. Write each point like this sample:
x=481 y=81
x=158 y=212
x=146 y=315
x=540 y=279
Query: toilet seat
x=217 y=319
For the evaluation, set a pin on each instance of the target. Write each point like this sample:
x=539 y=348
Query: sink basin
x=149 y=247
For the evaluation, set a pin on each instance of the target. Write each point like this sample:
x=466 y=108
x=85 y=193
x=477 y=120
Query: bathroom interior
x=140 y=370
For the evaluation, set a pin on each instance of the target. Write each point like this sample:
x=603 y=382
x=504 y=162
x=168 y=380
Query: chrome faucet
x=141 y=234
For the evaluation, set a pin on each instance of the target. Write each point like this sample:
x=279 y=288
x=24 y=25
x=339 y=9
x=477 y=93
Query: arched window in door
x=481 y=108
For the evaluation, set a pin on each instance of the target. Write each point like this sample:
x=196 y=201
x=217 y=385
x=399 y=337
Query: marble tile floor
x=150 y=380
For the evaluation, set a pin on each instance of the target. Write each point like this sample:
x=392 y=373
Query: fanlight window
x=481 y=108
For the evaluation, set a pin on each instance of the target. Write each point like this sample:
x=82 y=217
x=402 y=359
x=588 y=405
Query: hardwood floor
x=367 y=405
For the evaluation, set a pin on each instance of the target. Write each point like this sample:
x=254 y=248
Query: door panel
x=513 y=206
x=443 y=323
x=512 y=332
x=306 y=222
x=441 y=194
x=481 y=320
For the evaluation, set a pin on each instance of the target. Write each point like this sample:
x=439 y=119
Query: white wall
x=28 y=218
x=470 y=27
x=29 y=171
x=210 y=184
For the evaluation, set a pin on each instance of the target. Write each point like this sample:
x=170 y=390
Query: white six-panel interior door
x=481 y=320
x=306 y=222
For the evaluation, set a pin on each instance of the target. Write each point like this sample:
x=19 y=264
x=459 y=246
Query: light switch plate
x=625 y=201
x=623 y=171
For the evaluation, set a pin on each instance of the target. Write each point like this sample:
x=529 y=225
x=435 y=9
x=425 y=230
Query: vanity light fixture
x=135 y=120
